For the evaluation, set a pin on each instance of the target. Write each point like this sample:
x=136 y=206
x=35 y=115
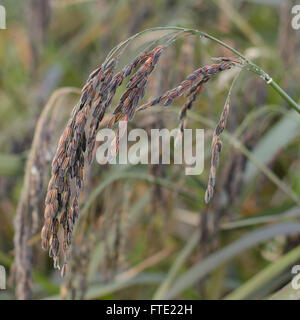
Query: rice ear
x=69 y=160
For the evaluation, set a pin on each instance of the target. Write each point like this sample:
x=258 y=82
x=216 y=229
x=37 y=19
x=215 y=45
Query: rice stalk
x=216 y=146
x=62 y=200
x=69 y=160
x=27 y=217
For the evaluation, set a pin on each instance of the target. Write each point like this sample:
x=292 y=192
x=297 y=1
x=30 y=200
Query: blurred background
x=153 y=237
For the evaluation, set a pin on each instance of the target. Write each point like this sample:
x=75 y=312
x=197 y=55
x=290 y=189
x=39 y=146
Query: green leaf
x=202 y=268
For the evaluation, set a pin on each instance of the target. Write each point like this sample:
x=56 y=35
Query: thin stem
x=285 y=96
x=181 y=258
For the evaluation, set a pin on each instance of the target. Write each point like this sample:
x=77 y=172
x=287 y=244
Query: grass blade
x=202 y=268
